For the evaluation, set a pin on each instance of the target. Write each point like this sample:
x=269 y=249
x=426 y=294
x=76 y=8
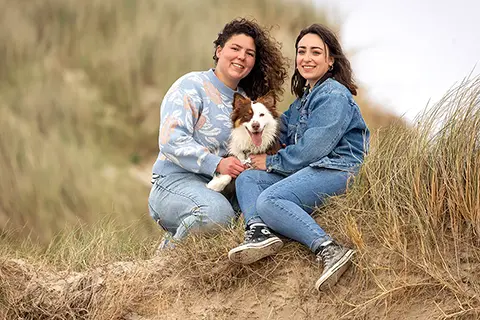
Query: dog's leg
x=219 y=182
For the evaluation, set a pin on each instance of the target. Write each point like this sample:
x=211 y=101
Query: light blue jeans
x=285 y=204
x=181 y=203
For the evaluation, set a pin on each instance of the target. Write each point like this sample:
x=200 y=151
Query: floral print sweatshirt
x=194 y=125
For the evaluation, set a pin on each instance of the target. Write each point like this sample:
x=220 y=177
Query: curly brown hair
x=269 y=72
x=342 y=71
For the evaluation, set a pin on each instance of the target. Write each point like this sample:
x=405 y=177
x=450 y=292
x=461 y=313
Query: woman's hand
x=259 y=161
x=230 y=166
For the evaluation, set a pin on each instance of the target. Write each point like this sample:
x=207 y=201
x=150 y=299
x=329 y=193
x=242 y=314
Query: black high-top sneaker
x=336 y=260
x=259 y=243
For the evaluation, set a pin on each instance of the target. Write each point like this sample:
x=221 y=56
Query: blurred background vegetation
x=81 y=83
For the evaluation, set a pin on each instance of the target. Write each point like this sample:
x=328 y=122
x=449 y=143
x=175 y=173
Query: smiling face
x=312 y=59
x=235 y=59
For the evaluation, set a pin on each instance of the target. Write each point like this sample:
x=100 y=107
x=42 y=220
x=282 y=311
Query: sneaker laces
x=326 y=255
x=249 y=234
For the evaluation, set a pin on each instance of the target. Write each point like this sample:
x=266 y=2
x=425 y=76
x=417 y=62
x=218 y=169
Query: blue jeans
x=181 y=203
x=285 y=204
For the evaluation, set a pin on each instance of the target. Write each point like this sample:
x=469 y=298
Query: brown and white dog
x=255 y=131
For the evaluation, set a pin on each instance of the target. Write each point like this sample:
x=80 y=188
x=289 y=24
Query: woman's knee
x=206 y=218
x=220 y=213
x=215 y=209
x=246 y=178
x=214 y=217
x=268 y=203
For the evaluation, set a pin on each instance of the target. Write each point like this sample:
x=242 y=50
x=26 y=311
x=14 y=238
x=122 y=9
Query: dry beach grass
x=411 y=214
x=80 y=85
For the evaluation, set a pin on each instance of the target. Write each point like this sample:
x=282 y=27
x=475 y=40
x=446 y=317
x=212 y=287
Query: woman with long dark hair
x=325 y=139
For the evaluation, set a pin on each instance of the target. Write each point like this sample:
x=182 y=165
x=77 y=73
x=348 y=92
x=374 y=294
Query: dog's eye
x=261 y=114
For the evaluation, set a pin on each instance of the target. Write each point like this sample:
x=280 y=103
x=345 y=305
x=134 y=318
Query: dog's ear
x=239 y=100
x=269 y=101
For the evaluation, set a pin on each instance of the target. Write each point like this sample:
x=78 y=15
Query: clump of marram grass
x=35 y=291
x=414 y=210
x=83 y=274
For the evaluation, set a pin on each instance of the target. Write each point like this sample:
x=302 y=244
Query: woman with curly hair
x=195 y=126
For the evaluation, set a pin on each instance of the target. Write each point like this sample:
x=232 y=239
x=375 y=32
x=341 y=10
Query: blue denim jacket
x=323 y=128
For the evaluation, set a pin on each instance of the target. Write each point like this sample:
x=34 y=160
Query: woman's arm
x=283 y=127
x=326 y=125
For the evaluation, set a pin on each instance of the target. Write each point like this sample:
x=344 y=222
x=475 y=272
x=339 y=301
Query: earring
x=330 y=68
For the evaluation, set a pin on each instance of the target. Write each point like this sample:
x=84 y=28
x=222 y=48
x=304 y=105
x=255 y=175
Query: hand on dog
x=230 y=166
x=259 y=161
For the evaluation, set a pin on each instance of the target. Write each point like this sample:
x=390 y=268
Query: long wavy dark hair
x=342 y=71
x=269 y=72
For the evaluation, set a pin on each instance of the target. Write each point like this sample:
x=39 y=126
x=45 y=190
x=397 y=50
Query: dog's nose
x=255 y=126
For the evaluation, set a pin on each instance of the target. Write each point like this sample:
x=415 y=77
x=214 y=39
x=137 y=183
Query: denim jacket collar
x=307 y=89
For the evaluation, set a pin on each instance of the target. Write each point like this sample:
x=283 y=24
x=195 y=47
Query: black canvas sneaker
x=259 y=243
x=336 y=260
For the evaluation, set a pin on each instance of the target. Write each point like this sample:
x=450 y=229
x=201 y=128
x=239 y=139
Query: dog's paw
x=218 y=183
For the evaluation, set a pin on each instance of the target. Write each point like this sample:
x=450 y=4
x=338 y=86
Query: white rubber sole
x=331 y=277
x=249 y=253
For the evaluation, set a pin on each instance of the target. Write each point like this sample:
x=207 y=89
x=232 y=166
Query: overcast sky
x=409 y=51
